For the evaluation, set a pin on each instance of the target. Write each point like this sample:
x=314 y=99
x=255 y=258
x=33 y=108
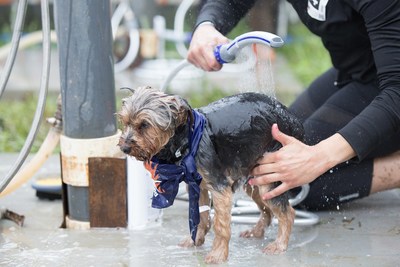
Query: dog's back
x=239 y=128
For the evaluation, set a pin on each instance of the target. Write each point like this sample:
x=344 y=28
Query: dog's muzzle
x=133 y=150
x=125 y=148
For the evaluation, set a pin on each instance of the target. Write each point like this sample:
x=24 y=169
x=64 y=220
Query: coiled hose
x=42 y=92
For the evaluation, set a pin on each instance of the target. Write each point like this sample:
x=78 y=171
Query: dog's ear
x=134 y=90
x=191 y=116
x=184 y=111
x=128 y=88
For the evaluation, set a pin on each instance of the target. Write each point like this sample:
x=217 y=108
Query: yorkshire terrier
x=214 y=147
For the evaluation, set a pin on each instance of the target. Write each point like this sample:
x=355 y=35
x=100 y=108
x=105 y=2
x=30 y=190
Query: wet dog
x=236 y=132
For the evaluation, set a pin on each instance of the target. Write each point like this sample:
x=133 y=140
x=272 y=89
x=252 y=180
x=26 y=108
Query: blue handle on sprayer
x=217 y=55
x=226 y=53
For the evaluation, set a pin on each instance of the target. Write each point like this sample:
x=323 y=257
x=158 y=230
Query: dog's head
x=149 y=118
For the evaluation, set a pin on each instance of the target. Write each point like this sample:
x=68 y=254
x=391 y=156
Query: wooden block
x=107 y=192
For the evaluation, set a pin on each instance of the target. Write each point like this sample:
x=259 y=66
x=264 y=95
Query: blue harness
x=168 y=176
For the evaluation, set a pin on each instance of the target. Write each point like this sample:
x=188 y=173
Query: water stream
x=257 y=74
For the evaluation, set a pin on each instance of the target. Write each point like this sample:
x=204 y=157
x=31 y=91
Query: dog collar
x=168 y=176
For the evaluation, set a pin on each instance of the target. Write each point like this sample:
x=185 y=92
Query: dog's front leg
x=205 y=221
x=222 y=203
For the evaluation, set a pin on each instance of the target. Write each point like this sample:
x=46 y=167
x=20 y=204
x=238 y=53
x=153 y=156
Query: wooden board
x=107 y=192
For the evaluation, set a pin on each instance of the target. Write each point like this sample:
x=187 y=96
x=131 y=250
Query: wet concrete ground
x=363 y=233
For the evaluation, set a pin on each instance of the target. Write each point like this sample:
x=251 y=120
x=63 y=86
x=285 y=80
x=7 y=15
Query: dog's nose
x=126 y=149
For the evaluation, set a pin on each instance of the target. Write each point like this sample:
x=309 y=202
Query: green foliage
x=305 y=53
x=16 y=118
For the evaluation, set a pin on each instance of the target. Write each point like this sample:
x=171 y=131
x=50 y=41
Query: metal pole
x=86 y=68
x=88 y=96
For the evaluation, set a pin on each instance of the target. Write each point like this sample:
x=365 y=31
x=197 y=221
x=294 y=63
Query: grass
x=16 y=116
x=304 y=52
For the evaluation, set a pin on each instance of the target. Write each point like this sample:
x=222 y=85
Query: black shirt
x=363 y=39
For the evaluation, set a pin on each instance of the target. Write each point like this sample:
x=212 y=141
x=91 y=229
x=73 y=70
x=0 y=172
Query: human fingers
x=201 y=58
x=279 y=136
x=201 y=49
x=207 y=60
x=265 y=166
x=267 y=158
x=279 y=190
x=264 y=179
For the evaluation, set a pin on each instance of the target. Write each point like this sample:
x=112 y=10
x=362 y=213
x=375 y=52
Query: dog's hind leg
x=205 y=220
x=265 y=214
x=285 y=215
x=222 y=203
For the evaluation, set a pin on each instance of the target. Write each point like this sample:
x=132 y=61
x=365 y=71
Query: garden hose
x=18 y=27
x=42 y=95
x=44 y=152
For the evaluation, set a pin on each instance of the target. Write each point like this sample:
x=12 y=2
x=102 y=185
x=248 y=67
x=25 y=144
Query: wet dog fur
x=237 y=133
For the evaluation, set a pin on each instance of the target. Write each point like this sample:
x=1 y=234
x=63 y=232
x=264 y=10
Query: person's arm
x=224 y=14
x=296 y=163
x=381 y=119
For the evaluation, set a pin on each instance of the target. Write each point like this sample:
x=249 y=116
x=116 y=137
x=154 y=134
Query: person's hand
x=201 y=49
x=296 y=163
x=293 y=165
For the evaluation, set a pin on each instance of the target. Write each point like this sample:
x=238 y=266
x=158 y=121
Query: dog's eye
x=143 y=125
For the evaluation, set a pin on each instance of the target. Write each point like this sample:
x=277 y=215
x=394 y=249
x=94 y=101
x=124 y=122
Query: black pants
x=324 y=109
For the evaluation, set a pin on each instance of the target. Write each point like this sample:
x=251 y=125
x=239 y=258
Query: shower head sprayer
x=227 y=53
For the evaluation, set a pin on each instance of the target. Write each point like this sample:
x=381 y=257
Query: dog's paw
x=186 y=243
x=199 y=241
x=256 y=233
x=216 y=257
x=275 y=248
